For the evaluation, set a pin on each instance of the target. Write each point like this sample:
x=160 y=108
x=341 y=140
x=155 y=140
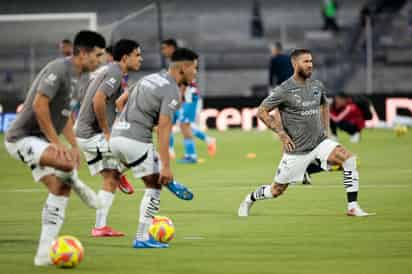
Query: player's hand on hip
x=287 y=142
x=166 y=176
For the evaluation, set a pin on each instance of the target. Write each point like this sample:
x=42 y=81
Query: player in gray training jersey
x=303 y=129
x=94 y=123
x=152 y=102
x=34 y=136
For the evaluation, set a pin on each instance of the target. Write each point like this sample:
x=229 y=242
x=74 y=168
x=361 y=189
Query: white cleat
x=358 y=212
x=244 y=207
x=42 y=261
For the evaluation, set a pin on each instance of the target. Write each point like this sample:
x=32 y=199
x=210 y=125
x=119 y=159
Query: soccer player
x=66 y=47
x=152 y=101
x=303 y=130
x=186 y=116
x=94 y=123
x=34 y=139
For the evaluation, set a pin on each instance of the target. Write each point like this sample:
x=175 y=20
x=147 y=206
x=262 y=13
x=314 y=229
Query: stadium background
x=303 y=232
x=234 y=65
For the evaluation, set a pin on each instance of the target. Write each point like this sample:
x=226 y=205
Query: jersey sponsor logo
x=173 y=104
x=309 y=103
x=121 y=125
x=66 y=112
x=309 y=112
x=50 y=79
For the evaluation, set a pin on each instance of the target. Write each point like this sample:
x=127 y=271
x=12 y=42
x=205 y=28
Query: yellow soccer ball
x=401 y=130
x=162 y=229
x=66 y=252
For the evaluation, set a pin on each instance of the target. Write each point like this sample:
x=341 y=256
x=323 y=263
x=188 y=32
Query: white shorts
x=29 y=151
x=98 y=155
x=141 y=158
x=292 y=168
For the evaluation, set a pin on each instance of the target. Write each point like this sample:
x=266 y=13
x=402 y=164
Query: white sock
x=351 y=179
x=52 y=220
x=149 y=207
x=262 y=193
x=106 y=200
x=352 y=205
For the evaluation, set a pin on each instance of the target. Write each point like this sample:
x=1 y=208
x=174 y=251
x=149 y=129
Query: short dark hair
x=109 y=50
x=88 y=40
x=184 y=54
x=66 y=41
x=278 y=46
x=170 y=42
x=123 y=47
x=298 y=52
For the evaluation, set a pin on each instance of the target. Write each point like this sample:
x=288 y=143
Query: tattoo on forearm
x=271 y=121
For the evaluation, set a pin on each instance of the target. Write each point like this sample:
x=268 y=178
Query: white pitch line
x=193 y=238
x=297 y=186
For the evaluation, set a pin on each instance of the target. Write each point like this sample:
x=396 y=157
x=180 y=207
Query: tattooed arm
x=274 y=122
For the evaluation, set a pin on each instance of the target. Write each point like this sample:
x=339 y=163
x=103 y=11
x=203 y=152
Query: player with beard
x=303 y=130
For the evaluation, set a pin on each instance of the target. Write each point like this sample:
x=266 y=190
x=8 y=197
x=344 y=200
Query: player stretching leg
x=34 y=136
x=153 y=100
x=94 y=123
x=302 y=130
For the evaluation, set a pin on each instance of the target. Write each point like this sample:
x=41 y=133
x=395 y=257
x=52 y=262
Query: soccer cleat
x=187 y=160
x=358 y=212
x=125 y=186
x=180 y=190
x=355 y=138
x=307 y=180
x=244 y=207
x=150 y=243
x=42 y=260
x=106 y=231
x=211 y=148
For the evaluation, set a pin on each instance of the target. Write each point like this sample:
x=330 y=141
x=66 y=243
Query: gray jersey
x=106 y=79
x=151 y=96
x=299 y=106
x=81 y=88
x=55 y=81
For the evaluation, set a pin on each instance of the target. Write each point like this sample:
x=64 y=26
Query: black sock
x=352 y=196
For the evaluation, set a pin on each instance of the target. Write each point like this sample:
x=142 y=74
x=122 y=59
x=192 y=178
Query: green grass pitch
x=304 y=231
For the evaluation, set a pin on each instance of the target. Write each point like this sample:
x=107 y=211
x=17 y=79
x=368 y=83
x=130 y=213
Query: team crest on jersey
x=316 y=91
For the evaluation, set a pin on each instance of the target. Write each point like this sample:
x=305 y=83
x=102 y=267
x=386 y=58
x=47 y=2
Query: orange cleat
x=106 y=231
x=125 y=186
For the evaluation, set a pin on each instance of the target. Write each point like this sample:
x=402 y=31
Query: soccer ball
x=66 y=252
x=162 y=229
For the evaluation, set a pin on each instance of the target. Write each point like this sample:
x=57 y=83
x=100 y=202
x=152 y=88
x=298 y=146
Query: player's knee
x=67 y=166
